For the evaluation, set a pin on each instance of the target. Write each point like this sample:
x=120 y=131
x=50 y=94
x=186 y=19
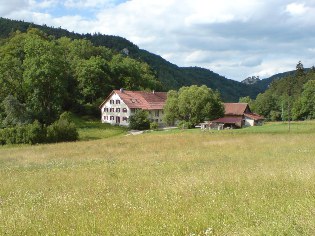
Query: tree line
x=41 y=77
x=289 y=98
x=170 y=75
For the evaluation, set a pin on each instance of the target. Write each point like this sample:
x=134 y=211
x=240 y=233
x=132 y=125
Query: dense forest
x=41 y=76
x=169 y=75
x=291 y=97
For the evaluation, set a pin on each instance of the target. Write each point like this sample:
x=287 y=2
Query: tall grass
x=163 y=183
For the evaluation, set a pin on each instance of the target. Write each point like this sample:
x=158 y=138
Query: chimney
x=121 y=90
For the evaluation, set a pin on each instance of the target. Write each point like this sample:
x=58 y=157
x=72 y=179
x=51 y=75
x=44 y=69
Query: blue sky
x=236 y=39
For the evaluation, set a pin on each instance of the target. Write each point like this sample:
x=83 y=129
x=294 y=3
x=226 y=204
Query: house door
x=117 y=120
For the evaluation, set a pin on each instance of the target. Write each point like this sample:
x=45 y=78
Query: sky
x=234 y=38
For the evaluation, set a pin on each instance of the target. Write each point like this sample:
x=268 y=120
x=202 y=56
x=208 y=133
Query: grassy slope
x=92 y=129
x=253 y=181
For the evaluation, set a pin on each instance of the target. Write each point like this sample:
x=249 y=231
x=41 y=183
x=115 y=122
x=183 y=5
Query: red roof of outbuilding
x=236 y=108
x=228 y=120
x=254 y=116
x=141 y=99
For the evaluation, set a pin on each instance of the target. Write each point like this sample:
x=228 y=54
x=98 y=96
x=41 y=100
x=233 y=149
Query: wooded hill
x=171 y=76
x=290 y=96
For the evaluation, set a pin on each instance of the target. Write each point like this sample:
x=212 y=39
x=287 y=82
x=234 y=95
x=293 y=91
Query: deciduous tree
x=193 y=104
x=44 y=77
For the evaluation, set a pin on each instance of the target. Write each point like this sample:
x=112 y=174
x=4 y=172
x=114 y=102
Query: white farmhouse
x=121 y=104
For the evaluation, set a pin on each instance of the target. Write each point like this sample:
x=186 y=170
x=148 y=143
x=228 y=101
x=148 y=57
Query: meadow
x=254 y=181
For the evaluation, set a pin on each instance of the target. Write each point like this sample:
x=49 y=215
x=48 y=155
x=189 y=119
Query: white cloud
x=87 y=3
x=45 y=4
x=296 y=9
x=7 y=7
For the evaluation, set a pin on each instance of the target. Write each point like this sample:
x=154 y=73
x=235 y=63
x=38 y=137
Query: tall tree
x=15 y=112
x=131 y=74
x=11 y=67
x=44 y=77
x=93 y=78
x=171 y=108
x=305 y=106
x=300 y=69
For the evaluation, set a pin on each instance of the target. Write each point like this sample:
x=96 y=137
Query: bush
x=2 y=139
x=185 y=125
x=24 y=134
x=154 y=125
x=139 y=120
x=36 y=133
x=62 y=130
x=275 y=115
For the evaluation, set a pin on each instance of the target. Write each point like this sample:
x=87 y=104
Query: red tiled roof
x=228 y=120
x=141 y=99
x=254 y=116
x=235 y=108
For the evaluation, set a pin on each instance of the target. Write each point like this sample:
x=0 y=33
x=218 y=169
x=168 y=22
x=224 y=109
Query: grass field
x=254 y=181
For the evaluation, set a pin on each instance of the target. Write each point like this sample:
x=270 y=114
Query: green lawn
x=91 y=129
x=254 y=181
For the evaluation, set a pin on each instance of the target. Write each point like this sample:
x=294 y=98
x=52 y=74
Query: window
x=124 y=109
x=112 y=102
x=112 y=109
x=117 y=101
x=112 y=118
x=117 y=109
x=105 y=118
x=157 y=113
x=124 y=118
x=105 y=109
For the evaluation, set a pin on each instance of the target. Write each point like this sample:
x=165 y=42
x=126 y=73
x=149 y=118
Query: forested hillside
x=291 y=95
x=170 y=75
x=42 y=76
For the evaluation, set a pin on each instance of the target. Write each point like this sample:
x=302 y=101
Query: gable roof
x=228 y=120
x=254 y=116
x=141 y=99
x=237 y=109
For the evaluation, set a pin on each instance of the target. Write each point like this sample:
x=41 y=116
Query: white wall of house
x=249 y=122
x=156 y=116
x=115 y=111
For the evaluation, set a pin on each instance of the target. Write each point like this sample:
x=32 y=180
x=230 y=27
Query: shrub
x=139 y=120
x=154 y=125
x=62 y=130
x=2 y=139
x=31 y=133
x=36 y=133
x=185 y=125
